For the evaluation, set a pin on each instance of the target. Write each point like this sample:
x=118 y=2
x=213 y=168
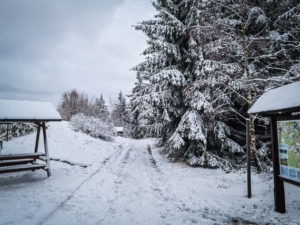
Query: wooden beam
x=7 y=133
x=29 y=120
x=37 y=137
x=279 y=196
x=297 y=183
x=46 y=149
x=11 y=169
x=16 y=162
x=21 y=156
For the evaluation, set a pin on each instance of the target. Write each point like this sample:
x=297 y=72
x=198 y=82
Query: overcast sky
x=47 y=47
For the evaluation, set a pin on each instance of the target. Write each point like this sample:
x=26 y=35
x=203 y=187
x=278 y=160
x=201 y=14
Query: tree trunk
x=249 y=101
x=205 y=149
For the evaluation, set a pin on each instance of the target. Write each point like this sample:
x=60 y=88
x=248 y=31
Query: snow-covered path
x=129 y=182
x=121 y=191
x=128 y=189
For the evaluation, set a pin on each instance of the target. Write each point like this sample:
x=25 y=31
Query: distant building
x=120 y=131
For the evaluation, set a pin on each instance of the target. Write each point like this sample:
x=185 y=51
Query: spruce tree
x=161 y=100
x=103 y=111
x=207 y=62
x=158 y=100
x=242 y=54
x=119 y=113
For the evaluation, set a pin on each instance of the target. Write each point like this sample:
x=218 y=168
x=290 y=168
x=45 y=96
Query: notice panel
x=289 y=148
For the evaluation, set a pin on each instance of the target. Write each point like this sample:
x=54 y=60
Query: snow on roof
x=282 y=98
x=15 y=110
x=119 y=129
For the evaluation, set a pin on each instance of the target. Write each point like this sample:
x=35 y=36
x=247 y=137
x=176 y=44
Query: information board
x=289 y=148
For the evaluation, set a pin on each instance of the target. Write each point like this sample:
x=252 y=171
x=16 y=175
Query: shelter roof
x=119 y=129
x=27 y=111
x=279 y=100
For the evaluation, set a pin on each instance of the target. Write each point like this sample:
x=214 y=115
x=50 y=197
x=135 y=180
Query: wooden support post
x=7 y=132
x=248 y=158
x=279 y=196
x=37 y=137
x=46 y=148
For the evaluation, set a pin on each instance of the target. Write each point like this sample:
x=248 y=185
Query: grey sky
x=47 y=47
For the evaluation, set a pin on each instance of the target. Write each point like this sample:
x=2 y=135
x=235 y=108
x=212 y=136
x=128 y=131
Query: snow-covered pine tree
x=220 y=63
x=129 y=126
x=162 y=104
x=121 y=116
x=203 y=122
x=206 y=63
x=103 y=111
x=157 y=100
x=243 y=54
x=138 y=112
x=119 y=111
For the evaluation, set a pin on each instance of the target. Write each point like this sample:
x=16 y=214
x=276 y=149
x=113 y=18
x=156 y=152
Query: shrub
x=93 y=126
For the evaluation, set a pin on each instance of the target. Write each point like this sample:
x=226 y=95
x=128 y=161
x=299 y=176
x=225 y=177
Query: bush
x=93 y=126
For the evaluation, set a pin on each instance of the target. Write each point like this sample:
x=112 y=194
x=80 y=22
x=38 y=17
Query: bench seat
x=21 y=156
x=11 y=169
x=15 y=162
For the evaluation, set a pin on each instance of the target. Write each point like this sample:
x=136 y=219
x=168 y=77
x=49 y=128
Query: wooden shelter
x=120 y=131
x=282 y=105
x=32 y=112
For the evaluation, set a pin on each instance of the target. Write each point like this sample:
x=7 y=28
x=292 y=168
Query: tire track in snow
x=157 y=178
x=127 y=153
x=152 y=159
x=113 y=157
x=131 y=197
x=120 y=165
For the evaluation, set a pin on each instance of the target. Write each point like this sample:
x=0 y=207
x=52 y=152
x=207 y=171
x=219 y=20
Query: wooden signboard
x=286 y=156
x=282 y=106
x=288 y=132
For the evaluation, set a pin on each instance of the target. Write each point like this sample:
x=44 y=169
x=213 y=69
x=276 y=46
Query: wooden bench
x=16 y=162
x=18 y=168
x=22 y=162
x=21 y=156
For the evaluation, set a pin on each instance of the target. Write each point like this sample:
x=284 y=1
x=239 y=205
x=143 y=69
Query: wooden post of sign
x=248 y=157
x=279 y=196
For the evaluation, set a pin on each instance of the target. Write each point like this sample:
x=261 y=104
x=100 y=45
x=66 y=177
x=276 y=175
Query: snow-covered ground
x=129 y=182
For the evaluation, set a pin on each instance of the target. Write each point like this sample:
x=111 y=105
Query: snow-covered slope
x=129 y=182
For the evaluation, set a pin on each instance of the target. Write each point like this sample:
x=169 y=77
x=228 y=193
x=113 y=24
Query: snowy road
x=124 y=189
x=129 y=182
x=128 y=188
